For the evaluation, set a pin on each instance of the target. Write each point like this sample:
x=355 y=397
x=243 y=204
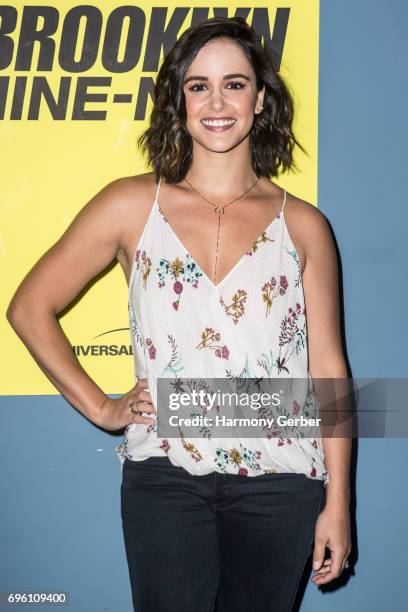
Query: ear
x=259 y=100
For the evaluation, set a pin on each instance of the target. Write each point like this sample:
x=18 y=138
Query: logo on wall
x=103 y=350
x=41 y=40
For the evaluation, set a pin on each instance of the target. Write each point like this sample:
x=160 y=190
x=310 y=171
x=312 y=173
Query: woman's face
x=221 y=96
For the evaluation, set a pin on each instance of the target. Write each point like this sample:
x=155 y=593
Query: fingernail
x=316 y=564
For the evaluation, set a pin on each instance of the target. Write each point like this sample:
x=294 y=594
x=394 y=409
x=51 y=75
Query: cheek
x=193 y=105
x=245 y=105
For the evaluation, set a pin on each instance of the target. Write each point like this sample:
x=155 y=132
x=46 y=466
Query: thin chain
x=220 y=211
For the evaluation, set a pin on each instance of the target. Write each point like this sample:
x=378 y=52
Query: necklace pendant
x=219 y=210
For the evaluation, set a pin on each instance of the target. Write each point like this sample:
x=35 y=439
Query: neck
x=219 y=175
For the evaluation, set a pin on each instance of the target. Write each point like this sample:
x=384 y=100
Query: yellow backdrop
x=64 y=135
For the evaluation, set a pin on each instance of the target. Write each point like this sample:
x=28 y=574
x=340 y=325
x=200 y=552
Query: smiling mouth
x=221 y=123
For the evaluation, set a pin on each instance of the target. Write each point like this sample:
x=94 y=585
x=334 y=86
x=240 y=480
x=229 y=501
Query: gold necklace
x=220 y=211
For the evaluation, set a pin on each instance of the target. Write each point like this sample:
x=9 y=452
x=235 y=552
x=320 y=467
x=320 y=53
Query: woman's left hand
x=332 y=530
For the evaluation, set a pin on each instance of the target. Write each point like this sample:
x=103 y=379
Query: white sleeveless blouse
x=251 y=324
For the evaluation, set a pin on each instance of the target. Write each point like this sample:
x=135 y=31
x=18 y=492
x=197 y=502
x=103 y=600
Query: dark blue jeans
x=217 y=542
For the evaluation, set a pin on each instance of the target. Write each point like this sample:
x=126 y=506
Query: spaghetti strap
x=157 y=191
x=284 y=201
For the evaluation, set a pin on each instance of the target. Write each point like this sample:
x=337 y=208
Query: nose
x=216 y=101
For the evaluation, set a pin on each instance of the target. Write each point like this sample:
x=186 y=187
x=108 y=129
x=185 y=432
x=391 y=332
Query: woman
x=210 y=521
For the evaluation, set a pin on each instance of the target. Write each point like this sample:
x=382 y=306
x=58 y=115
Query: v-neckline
x=194 y=260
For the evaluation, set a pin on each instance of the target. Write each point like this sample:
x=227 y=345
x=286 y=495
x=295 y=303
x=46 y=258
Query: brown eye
x=193 y=87
x=239 y=85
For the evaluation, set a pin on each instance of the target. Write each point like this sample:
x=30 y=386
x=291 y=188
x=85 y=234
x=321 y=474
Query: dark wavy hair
x=167 y=143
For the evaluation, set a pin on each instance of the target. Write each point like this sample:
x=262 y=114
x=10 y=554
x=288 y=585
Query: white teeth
x=218 y=122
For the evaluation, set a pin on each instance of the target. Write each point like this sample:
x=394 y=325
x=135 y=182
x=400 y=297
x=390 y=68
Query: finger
x=323 y=571
x=335 y=569
x=326 y=565
x=327 y=562
x=143 y=420
x=318 y=554
x=145 y=406
x=143 y=382
x=337 y=559
x=344 y=562
x=139 y=397
x=134 y=407
x=143 y=396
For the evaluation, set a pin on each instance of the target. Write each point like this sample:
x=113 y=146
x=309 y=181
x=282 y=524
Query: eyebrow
x=234 y=75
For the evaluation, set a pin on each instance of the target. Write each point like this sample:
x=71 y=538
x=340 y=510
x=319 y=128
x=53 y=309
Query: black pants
x=188 y=538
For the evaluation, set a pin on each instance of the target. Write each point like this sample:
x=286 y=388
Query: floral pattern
x=293 y=253
x=210 y=338
x=245 y=372
x=236 y=309
x=260 y=240
x=266 y=363
x=151 y=348
x=144 y=264
x=165 y=445
x=174 y=365
x=135 y=330
x=163 y=216
x=179 y=272
x=270 y=290
x=292 y=338
x=191 y=449
x=241 y=460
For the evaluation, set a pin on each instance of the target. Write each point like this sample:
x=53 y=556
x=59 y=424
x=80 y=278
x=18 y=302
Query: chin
x=219 y=143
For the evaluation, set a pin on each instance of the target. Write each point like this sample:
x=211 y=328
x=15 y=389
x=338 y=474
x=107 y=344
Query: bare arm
x=326 y=358
x=87 y=247
x=326 y=361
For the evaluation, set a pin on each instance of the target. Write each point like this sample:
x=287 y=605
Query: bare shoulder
x=125 y=202
x=122 y=197
x=308 y=228
x=131 y=193
x=132 y=198
x=121 y=208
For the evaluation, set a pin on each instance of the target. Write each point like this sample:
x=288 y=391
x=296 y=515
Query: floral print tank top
x=251 y=324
